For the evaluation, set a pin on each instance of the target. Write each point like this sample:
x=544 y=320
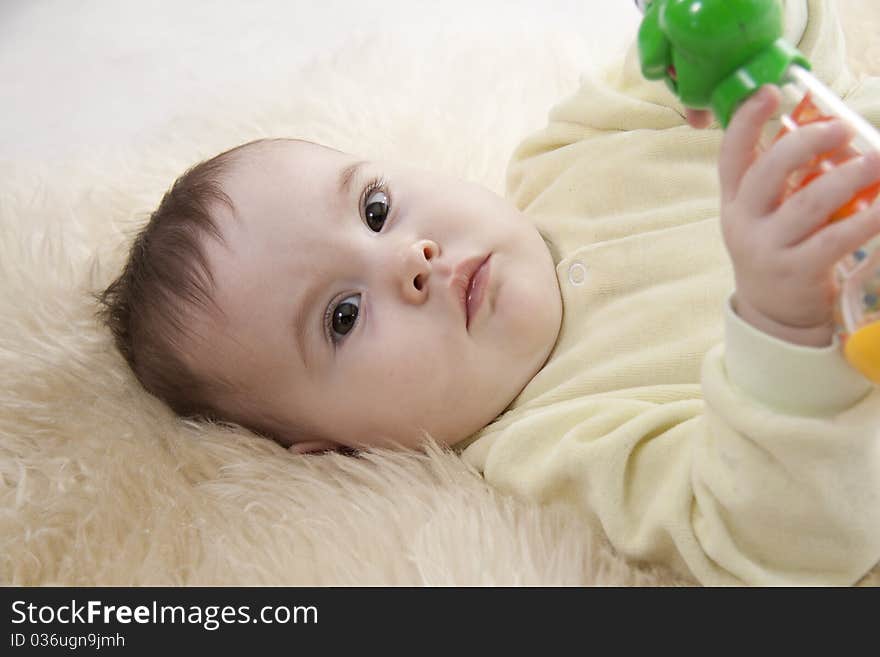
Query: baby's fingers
x=764 y=183
x=811 y=207
x=740 y=145
x=827 y=246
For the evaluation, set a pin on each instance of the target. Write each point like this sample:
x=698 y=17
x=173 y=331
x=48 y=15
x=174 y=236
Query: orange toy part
x=806 y=112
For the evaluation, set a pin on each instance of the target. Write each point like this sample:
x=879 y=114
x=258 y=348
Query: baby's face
x=345 y=310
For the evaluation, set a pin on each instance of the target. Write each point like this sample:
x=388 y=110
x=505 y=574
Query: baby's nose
x=417 y=269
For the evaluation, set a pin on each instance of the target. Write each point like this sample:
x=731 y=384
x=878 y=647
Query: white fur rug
x=101 y=485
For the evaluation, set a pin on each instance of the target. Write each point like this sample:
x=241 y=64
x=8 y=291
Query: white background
x=76 y=74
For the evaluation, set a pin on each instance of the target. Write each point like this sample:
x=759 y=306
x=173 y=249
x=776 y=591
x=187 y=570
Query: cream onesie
x=688 y=437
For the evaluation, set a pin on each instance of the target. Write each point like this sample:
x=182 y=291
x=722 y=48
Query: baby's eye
x=343 y=316
x=376 y=209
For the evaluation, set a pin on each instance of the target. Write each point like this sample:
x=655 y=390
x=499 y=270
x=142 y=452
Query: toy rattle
x=714 y=54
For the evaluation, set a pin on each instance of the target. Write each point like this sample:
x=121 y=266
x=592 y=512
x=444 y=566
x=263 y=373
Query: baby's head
x=324 y=300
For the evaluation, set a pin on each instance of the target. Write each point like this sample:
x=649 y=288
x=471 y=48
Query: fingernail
x=841 y=129
x=767 y=92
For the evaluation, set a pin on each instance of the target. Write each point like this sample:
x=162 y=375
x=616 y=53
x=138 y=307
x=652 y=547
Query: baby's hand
x=783 y=254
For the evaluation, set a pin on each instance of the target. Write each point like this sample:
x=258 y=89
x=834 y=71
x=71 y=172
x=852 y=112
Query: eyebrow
x=347 y=175
x=302 y=311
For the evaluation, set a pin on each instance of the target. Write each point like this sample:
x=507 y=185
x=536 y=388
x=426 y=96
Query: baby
x=330 y=301
x=573 y=342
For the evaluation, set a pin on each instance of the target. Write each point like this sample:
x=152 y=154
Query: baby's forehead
x=263 y=151
x=275 y=188
x=261 y=170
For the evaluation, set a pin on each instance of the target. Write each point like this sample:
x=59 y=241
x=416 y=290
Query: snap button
x=577 y=273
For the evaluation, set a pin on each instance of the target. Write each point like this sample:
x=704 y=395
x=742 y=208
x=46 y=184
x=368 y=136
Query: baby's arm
x=783 y=255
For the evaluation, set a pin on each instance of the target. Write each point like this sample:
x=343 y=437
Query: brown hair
x=165 y=283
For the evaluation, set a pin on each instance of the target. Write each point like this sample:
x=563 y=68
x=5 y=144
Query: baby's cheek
x=413 y=360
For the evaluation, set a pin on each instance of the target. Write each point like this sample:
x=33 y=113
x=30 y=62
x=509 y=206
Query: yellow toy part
x=862 y=350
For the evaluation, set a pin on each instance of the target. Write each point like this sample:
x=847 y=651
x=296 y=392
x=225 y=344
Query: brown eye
x=344 y=316
x=376 y=210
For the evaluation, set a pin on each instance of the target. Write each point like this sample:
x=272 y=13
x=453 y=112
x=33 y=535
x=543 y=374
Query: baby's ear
x=312 y=446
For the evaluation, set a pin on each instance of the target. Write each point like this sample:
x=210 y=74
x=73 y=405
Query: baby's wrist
x=813 y=336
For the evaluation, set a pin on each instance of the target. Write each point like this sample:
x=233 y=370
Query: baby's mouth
x=476 y=289
x=468 y=283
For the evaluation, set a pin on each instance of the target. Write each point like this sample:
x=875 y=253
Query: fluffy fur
x=101 y=485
